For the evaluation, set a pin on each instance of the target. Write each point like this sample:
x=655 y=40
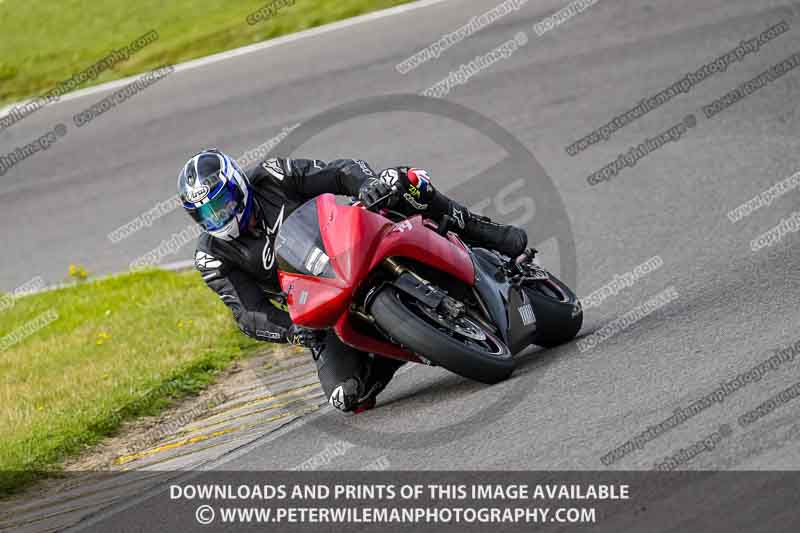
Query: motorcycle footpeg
x=525 y=268
x=527 y=257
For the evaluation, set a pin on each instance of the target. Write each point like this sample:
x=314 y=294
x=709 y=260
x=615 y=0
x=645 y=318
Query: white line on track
x=113 y=509
x=244 y=50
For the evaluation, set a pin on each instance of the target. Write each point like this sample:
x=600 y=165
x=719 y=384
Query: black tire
x=395 y=314
x=559 y=314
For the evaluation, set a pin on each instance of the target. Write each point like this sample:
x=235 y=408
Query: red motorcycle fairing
x=349 y=335
x=357 y=241
x=314 y=302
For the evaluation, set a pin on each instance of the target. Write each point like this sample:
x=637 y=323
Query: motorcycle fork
x=452 y=305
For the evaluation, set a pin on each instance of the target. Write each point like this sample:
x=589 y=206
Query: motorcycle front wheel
x=463 y=346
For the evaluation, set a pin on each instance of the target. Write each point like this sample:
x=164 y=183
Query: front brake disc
x=463 y=325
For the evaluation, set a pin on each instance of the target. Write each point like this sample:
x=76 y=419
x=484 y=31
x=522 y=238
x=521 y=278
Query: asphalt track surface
x=564 y=408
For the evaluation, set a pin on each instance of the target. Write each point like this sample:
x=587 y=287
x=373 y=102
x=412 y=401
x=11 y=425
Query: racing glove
x=300 y=336
x=373 y=190
x=413 y=186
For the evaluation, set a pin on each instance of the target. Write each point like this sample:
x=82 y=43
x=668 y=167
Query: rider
x=241 y=213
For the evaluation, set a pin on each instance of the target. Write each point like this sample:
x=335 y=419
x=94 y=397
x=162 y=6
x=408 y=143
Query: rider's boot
x=345 y=397
x=355 y=396
x=480 y=230
x=506 y=239
x=381 y=373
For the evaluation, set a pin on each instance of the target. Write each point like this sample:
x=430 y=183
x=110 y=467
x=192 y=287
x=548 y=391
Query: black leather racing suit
x=243 y=271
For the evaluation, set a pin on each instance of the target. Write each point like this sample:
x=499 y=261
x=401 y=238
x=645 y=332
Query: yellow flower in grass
x=77 y=272
x=101 y=338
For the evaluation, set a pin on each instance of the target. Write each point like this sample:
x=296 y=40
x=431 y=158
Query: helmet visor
x=215 y=212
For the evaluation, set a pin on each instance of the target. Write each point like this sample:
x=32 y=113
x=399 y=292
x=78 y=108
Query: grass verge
x=45 y=43
x=120 y=347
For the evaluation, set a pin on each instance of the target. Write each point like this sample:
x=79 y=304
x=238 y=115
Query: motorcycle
x=405 y=287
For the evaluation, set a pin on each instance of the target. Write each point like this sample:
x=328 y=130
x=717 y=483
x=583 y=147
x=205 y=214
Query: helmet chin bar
x=229 y=232
x=240 y=222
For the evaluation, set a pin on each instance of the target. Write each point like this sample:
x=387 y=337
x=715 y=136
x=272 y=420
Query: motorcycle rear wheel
x=465 y=347
x=559 y=315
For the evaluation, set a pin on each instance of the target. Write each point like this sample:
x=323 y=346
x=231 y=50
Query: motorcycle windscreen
x=299 y=246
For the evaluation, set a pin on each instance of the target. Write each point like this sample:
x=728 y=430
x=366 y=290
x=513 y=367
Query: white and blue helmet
x=216 y=193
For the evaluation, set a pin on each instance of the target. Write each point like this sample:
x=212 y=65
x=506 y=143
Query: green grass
x=124 y=346
x=44 y=43
x=121 y=347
